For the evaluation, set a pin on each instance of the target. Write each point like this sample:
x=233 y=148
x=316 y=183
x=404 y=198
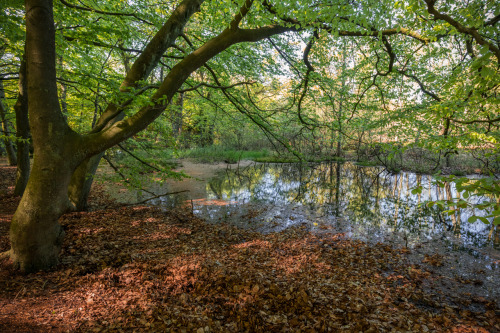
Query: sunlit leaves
x=487 y=189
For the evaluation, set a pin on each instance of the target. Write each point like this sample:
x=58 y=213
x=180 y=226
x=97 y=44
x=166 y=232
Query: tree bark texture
x=22 y=133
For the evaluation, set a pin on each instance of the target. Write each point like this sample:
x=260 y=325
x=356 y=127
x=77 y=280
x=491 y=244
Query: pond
x=367 y=203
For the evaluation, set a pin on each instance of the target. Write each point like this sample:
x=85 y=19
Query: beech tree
x=64 y=158
x=35 y=235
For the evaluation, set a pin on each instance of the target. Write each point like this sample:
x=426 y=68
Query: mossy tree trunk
x=35 y=233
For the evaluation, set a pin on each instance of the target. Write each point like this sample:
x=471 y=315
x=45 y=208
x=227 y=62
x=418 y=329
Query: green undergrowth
x=458 y=162
x=294 y=159
x=366 y=163
x=416 y=160
x=217 y=154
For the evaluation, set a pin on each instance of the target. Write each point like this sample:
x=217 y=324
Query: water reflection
x=364 y=202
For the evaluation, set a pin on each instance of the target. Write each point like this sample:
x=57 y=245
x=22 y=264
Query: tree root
x=5 y=255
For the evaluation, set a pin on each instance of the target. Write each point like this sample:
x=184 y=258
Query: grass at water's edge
x=217 y=154
x=293 y=159
x=415 y=160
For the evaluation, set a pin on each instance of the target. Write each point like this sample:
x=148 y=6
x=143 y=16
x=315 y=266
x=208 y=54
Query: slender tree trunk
x=178 y=117
x=342 y=97
x=339 y=137
x=81 y=182
x=9 y=147
x=337 y=189
x=96 y=105
x=23 y=133
x=64 y=89
x=444 y=133
x=210 y=125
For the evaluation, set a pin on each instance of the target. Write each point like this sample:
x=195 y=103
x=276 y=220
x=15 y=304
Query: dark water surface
x=367 y=203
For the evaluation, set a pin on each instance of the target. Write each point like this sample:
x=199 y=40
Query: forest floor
x=138 y=269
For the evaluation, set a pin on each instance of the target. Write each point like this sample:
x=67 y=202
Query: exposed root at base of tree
x=142 y=270
x=5 y=255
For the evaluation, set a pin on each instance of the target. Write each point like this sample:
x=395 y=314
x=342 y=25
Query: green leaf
x=484 y=220
x=472 y=219
x=417 y=190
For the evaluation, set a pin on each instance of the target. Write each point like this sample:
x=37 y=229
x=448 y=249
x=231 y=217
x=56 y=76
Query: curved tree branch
x=241 y=14
x=461 y=28
x=151 y=56
x=121 y=130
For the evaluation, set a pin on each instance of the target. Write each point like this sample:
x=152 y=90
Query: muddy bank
x=192 y=187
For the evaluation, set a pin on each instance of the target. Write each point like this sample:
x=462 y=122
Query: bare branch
x=421 y=85
x=306 y=80
x=88 y=9
x=158 y=196
x=493 y=21
x=487 y=121
x=138 y=158
x=326 y=27
x=214 y=86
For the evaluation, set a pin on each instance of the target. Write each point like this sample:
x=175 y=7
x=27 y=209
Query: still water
x=366 y=203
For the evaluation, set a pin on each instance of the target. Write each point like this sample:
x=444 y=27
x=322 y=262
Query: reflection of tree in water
x=365 y=196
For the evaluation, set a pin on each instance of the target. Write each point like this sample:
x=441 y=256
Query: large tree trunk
x=35 y=233
x=22 y=133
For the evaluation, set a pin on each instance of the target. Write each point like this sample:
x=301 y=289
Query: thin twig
x=158 y=196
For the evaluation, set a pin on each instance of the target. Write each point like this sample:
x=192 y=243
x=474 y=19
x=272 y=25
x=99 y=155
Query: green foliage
x=481 y=194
